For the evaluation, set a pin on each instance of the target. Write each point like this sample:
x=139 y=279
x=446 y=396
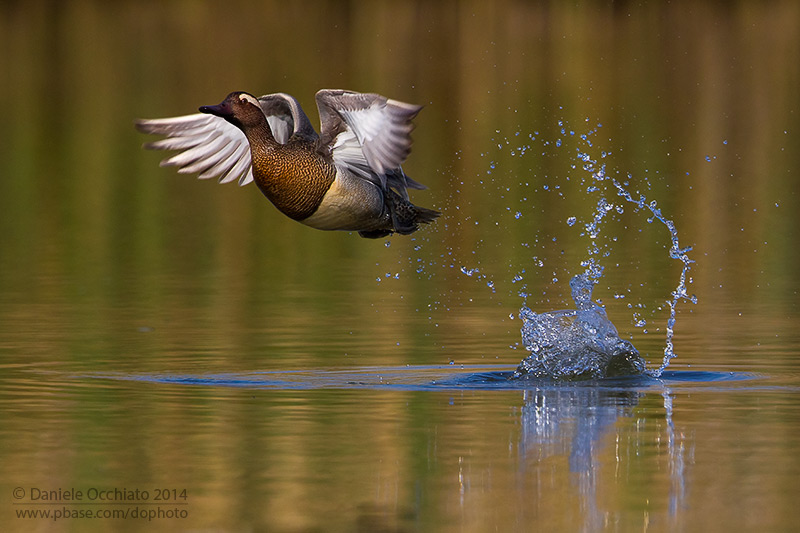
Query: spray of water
x=675 y=252
x=571 y=344
x=613 y=196
x=594 y=269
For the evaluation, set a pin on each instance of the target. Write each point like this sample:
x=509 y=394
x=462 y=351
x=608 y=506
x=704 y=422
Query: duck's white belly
x=350 y=204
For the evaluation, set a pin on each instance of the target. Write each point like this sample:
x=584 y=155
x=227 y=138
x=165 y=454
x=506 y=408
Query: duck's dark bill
x=220 y=110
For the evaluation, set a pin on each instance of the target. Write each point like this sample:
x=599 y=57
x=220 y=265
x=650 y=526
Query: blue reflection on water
x=426 y=377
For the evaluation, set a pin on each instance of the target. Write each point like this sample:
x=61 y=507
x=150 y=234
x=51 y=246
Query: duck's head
x=239 y=108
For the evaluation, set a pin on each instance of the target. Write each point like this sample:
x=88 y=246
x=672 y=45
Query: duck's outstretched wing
x=213 y=147
x=208 y=145
x=368 y=134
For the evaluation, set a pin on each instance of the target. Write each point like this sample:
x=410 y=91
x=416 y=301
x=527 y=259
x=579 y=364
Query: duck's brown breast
x=294 y=177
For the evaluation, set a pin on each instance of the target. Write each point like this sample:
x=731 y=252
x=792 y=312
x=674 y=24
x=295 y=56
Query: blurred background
x=696 y=101
x=109 y=263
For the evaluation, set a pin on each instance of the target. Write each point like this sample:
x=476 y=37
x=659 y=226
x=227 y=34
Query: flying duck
x=347 y=177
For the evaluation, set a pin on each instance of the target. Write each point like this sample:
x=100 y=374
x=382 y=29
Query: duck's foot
x=406 y=216
x=375 y=233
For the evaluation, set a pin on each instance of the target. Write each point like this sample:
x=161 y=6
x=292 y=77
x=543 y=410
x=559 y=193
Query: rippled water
x=416 y=447
x=412 y=378
x=160 y=334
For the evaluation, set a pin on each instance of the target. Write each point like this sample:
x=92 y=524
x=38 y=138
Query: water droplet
x=469 y=271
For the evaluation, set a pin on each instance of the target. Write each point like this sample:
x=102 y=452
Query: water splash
x=680 y=293
x=588 y=176
x=594 y=269
x=579 y=343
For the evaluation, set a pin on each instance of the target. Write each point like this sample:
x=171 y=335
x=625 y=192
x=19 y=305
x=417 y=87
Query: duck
x=347 y=177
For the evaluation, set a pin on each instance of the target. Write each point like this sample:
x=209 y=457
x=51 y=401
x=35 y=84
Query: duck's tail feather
x=425 y=215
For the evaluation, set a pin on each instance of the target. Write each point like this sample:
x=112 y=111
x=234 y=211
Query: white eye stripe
x=247 y=98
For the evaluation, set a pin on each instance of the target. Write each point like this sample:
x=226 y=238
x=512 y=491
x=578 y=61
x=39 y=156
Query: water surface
x=157 y=332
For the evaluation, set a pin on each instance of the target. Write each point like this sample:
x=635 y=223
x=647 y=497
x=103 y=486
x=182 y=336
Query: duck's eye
x=247 y=98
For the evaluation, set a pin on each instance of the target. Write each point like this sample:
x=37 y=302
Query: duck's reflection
x=574 y=420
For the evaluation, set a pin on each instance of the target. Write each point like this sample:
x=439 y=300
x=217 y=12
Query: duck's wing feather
x=286 y=118
x=368 y=134
x=207 y=144
x=397 y=179
x=214 y=148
